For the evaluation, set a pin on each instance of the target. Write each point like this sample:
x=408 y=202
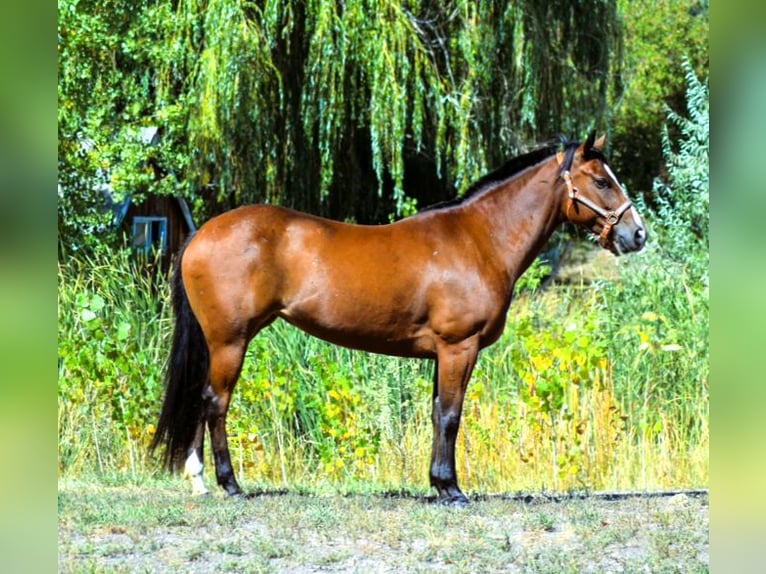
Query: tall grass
x=113 y=325
x=592 y=386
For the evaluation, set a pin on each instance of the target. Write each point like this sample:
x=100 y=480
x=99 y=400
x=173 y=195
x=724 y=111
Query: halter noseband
x=611 y=217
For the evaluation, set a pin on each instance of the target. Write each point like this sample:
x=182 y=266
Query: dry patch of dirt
x=160 y=529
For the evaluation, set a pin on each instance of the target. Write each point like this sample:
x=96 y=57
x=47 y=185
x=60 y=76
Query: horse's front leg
x=454 y=365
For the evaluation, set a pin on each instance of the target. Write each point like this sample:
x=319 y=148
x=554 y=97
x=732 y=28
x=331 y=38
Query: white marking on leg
x=193 y=470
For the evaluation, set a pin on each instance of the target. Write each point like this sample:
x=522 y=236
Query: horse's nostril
x=640 y=236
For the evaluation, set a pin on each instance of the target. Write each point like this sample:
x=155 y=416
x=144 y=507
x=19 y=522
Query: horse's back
x=281 y=255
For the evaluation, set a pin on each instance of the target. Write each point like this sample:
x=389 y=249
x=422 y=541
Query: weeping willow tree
x=355 y=108
x=352 y=109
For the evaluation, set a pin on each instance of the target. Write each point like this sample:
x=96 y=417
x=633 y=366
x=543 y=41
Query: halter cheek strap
x=611 y=217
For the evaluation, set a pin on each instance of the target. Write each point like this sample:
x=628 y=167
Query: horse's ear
x=599 y=143
x=589 y=142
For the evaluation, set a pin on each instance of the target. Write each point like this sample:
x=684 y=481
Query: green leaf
x=87 y=315
x=97 y=302
x=123 y=331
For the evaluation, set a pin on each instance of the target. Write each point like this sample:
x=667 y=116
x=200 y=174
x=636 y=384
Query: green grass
x=598 y=386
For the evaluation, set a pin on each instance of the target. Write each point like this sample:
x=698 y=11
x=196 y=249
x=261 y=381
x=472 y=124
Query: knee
x=450 y=421
x=446 y=417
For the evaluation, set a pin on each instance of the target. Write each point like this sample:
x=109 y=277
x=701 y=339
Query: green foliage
x=111 y=353
x=657 y=315
x=667 y=285
x=399 y=80
x=109 y=51
x=349 y=109
x=665 y=288
x=658 y=36
x=339 y=404
x=683 y=197
x=363 y=61
x=555 y=365
x=658 y=326
x=534 y=275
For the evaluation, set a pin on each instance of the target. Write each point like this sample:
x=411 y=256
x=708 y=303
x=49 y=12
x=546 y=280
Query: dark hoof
x=233 y=490
x=236 y=493
x=242 y=495
x=458 y=500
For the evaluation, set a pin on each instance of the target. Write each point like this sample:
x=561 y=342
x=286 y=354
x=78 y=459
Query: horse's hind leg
x=194 y=462
x=225 y=366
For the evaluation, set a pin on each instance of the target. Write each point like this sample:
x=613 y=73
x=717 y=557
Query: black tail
x=185 y=379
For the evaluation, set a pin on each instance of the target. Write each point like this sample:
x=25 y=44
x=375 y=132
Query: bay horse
x=436 y=285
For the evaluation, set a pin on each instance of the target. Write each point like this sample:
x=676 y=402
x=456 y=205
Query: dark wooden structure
x=156 y=224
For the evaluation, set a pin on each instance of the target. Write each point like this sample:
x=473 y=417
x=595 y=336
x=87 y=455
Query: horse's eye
x=602 y=183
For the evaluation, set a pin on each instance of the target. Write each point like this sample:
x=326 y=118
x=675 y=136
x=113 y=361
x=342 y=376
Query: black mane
x=515 y=166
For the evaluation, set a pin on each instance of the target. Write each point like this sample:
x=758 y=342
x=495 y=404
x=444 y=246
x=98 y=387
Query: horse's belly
x=392 y=333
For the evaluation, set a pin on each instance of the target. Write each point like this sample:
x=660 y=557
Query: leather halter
x=611 y=217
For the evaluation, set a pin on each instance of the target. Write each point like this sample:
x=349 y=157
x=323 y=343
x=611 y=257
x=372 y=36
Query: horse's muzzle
x=629 y=238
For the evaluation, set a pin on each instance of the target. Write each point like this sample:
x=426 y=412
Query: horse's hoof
x=455 y=500
x=233 y=490
x=241 y=495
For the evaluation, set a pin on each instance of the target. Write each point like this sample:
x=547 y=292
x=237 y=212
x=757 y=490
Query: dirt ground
x=134 y=529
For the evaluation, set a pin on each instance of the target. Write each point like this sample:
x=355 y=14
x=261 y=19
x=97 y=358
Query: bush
x=113 y=339
x=683 y=197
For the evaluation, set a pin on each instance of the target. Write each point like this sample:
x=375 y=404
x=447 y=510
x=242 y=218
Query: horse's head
x=596 y=200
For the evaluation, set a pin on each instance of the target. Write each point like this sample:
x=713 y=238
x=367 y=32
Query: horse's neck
x=521 y=215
